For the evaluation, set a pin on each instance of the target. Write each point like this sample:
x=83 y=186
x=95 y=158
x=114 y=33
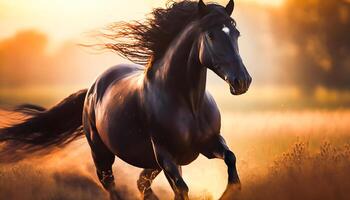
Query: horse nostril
x=249 y=80
x=241 y=83
x=236 y=82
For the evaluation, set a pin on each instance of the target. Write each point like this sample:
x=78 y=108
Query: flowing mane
x=159 y=117
x=139 y=41
x=147 y=40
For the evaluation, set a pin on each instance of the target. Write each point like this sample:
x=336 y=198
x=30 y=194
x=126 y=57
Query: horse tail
x=44 y=129
x=29 y=109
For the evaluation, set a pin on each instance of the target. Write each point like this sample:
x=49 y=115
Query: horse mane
x=145 y=41
x=140 y=41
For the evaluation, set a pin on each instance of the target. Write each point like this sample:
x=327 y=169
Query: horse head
x=218 y=46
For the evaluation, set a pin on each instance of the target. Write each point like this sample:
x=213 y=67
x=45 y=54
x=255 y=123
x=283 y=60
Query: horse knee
x=230 y=158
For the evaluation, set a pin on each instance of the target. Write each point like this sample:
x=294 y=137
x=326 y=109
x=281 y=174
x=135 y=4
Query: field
x=303 y=154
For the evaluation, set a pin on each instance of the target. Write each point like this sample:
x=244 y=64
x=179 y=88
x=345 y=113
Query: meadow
x=284 y=154
x=290 y=132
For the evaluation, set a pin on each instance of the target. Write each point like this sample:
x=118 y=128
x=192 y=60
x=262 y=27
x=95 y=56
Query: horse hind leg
x=103 y=158
x=145 y=181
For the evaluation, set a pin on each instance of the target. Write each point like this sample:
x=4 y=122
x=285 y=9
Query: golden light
x=65 y=19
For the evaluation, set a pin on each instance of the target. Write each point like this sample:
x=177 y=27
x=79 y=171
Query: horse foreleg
x=144 y=183
x=171 y=171
x=217 y=148
x=169 y=180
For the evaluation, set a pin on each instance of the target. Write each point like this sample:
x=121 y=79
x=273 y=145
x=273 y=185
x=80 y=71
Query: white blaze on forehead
x=226 y=30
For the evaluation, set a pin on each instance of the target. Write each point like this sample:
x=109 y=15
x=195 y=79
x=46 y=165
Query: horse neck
x=181 y=73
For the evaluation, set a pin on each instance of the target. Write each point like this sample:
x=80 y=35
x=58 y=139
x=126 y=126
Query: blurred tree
x=21 y=56
x=26 y=61
x=317 y=33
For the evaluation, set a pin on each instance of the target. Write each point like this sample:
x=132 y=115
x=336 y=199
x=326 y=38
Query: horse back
x=116 y=94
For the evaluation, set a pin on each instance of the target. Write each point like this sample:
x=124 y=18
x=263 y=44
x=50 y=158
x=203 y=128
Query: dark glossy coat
x=158 y=118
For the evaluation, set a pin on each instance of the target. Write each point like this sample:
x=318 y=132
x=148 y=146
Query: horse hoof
x=231 y=192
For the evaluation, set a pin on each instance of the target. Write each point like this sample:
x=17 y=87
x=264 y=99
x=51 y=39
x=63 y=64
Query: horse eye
x=233 y=23
x=210 y=35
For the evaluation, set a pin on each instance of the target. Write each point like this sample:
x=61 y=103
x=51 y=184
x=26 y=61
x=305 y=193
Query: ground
x=299 y=154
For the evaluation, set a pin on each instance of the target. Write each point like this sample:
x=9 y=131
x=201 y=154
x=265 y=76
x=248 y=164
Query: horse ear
x=229 y=7
x=202 y=8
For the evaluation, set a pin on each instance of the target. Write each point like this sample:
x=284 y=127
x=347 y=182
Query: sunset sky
x=72 y=22
x=296 y=51
x=66 y=19
x=56 y=27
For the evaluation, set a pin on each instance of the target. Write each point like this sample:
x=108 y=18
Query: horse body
x=159 y=117
x=128 y=110
x=116 y=116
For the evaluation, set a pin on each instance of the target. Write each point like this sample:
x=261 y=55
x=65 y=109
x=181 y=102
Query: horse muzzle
x=239 y=85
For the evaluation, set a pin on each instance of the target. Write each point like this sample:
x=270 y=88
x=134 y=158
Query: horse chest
x=178 y=129
x=183 y=134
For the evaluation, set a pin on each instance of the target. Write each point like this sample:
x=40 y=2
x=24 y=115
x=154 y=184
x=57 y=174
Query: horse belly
x=134 y=147
x=122 y=129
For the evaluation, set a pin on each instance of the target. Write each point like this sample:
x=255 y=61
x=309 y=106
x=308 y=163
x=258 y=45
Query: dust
x=281 y=155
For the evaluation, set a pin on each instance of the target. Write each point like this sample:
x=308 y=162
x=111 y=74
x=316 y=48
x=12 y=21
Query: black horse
x=157 y=118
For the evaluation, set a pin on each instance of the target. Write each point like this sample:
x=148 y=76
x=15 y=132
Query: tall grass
x=26 y=181
x=281 y=156
x=299 y=174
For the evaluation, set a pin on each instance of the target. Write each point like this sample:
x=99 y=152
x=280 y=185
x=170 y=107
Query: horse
x=158 y=117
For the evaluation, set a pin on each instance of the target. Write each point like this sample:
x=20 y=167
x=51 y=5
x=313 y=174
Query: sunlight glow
x=65 y=19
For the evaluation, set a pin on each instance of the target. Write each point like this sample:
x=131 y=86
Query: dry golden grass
x=281 y=155
x=299 y=174
x=26 y=181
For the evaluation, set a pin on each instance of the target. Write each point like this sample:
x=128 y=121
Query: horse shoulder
x=210 y=118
